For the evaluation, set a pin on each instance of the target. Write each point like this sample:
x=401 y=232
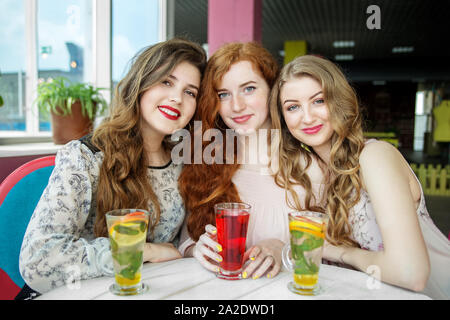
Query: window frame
x=101 y=64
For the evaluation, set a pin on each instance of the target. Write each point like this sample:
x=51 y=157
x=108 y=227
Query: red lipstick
x=312 y=130
x=169 y=112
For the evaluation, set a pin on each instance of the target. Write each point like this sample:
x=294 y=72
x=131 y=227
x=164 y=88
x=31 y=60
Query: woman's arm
x=404 y=261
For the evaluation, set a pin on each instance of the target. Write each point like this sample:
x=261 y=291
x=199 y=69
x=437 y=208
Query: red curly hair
x=204 y=185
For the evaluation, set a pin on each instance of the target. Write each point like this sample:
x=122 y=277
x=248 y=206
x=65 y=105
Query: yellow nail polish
x=219 y=248
x=252 y=258
x=244 y=275
x=219 y=259
x=269 y=276
x=255 y=277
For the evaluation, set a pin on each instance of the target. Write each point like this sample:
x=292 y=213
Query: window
x=135 y=25
x=12 y=65
x=64 y=43
x=83 y=40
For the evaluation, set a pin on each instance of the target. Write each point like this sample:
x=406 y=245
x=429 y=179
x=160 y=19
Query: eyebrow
x=189 y=84
x=240 y=86
x=286 y=101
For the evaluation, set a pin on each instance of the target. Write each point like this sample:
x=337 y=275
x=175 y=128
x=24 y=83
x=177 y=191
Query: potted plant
x=72 y=106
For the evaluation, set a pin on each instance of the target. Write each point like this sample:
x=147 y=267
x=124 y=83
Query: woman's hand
x=265 y=258
x=160 y=252
x=206 y=250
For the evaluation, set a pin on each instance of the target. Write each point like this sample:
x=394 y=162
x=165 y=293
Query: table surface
x=186 y=279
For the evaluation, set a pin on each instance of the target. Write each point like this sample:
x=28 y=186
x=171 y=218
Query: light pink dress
x=365 y=231
x=269 y=213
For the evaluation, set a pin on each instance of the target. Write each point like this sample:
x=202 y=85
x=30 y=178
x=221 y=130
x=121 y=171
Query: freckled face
x=306 y=112
x=243 y=94
x=170 y=104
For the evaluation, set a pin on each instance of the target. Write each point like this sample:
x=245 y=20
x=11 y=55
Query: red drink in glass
x=232 y=223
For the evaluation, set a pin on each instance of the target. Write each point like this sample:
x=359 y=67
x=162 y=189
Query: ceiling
x=421 y=24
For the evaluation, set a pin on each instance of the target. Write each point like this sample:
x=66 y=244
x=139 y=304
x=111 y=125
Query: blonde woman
x=378 y=218
x=125 y=164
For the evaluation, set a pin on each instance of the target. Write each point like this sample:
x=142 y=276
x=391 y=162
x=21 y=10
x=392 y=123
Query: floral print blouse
x=59 y=245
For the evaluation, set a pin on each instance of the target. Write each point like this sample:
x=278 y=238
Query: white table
x=186 y=279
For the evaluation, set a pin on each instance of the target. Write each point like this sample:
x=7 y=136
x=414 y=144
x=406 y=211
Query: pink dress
x=365 y=231
x=269 y=215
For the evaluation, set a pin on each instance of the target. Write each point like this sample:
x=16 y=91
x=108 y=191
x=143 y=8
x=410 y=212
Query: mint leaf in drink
x=143 y=226
x=297 y=234
x=126 y=230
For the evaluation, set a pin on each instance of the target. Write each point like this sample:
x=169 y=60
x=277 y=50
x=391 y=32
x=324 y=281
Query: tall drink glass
x=231 y=223
x=127 y=229
x=307 y=233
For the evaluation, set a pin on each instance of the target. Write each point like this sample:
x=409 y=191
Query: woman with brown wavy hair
x=378 y=221
x=234 y=95
x=126 y=163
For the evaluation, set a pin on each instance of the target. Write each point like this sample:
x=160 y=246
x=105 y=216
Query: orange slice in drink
x=310 y=227
x=131 y=217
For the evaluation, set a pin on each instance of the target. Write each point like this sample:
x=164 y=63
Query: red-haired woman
x=234 y=95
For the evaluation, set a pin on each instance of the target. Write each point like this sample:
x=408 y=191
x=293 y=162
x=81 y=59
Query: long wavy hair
x=216 y=185
x=343 y=181
x=123 y=181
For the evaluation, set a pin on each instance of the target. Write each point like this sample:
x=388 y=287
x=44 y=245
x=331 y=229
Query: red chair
x=19 y=195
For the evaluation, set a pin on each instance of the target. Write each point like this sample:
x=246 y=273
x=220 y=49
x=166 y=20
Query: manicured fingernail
x=244 y=275
x=252 y=258
x=269 y=276
x=219 y=248
x=255 y=277
x=219 y=259
x=217 y=269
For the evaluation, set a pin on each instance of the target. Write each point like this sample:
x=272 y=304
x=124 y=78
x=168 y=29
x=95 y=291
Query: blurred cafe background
x=394 y=52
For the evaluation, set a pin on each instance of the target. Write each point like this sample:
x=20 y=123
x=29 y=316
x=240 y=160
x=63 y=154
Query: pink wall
x=9 y=164
x=233 y=20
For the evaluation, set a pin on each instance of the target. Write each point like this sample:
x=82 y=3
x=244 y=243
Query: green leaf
x=126 y=230
x=62 y=93
x=143 y=226
x=297 y=234
x=133 y=261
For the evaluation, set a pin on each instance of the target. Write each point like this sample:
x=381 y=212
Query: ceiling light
x=344 y=44
x=402 y=49
x=343 y=57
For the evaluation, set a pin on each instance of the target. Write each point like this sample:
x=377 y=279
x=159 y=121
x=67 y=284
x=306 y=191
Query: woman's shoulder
x=376 y=152
x=78 y=153
x=381 y=160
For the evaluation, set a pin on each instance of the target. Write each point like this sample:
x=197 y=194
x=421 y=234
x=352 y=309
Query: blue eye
x=249 y=89
x=223 y=95
x=319 y=101
x=293 y=107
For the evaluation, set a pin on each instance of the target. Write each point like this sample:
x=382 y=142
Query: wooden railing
x=435 y=180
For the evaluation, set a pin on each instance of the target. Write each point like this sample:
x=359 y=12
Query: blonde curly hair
x=343 y=183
